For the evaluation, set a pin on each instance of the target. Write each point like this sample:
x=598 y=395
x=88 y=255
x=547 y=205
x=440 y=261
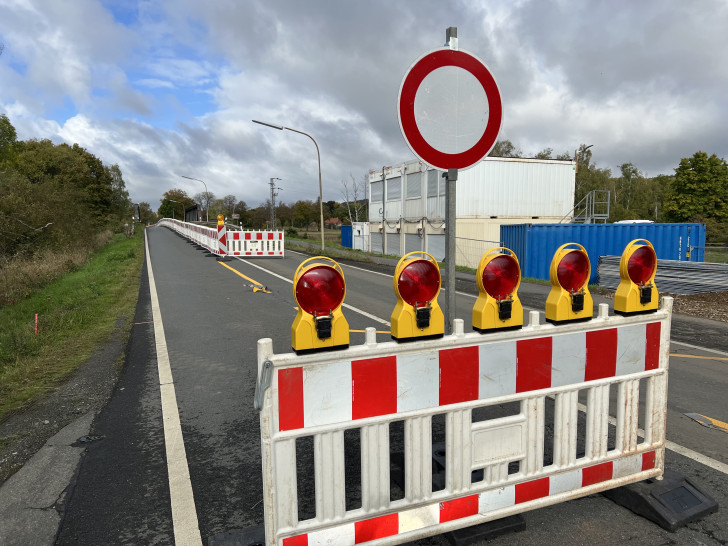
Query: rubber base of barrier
x=671 y=503
x=477 y=534
x=252 y=536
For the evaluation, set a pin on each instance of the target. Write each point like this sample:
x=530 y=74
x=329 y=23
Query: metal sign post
x=450 y=247
x=450 y=114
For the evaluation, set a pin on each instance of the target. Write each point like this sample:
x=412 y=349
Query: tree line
x=302 y=214
x=55 y=195
x=697 y=192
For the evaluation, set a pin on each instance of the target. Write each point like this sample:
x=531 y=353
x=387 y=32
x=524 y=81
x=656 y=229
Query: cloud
x=171 y=87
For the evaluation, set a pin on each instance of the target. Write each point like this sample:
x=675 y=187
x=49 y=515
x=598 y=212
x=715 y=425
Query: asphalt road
x=212 y=319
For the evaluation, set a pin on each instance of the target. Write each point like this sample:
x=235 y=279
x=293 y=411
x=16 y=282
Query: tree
x=229 y=204
x=505 y=148
x=624 y=185
x=8 y=138
x=353 y=193
x=146 y=214
x=544 y=154
x=241 y=208
x=305 y=212
x=174 y=203
x=700 y=188
x=204 y=198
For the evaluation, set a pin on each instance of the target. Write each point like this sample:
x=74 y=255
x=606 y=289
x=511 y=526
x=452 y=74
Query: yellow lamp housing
x=498 y=278
x=220 y=220
x=637 y=292
x=319 y=289
x=569 y=298
x=417 y=283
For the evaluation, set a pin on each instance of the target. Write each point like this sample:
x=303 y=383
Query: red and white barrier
x=368 y=387
x=234 y=243
x=256 y=243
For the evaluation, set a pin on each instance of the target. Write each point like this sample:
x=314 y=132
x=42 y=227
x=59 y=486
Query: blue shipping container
x=347 y=238
x=535 y=244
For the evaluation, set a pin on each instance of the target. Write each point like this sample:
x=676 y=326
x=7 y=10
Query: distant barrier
x=222 y=242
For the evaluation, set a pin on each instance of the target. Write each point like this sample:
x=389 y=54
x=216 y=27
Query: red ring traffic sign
x=421 y=68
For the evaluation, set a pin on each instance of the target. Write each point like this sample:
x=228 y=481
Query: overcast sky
x=169 y=88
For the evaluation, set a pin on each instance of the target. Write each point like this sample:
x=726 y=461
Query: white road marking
x=677 y=448
x=345 y=305
x=698 y=348
x=184 y=514
x=672 y=446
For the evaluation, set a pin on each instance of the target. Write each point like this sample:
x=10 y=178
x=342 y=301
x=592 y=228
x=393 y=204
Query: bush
x=291 y=232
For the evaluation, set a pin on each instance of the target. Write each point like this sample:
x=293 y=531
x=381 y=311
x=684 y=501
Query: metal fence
x=673 y=276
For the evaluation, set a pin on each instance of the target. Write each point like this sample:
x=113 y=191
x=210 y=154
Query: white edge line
x=386 y=275
x=672 y=446
x=345 y=305
x=184 y=515
x=698 y=348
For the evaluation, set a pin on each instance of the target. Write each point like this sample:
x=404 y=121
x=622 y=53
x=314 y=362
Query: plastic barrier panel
x=238 y=243
x=256 y=243
x=523 y=417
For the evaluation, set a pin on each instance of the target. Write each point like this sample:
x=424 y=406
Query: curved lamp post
x=318 y=155
x=172 y=201
x=207 y=213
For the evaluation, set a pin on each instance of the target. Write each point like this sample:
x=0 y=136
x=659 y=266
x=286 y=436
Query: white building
x=407 y=209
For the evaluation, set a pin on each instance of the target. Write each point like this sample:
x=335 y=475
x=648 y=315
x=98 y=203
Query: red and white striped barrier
x=540 y=367
x=256 y=243
x=234 y=243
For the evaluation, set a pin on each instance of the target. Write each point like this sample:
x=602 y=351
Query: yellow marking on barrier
x=364 y=331
x=725 y=359
x=258 y=288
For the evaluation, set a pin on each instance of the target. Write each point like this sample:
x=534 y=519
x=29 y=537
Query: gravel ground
x=709 y=306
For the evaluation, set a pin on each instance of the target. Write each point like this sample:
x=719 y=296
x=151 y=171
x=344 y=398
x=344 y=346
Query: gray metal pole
x=384 y=211
x=451 y=40
x=450 y=249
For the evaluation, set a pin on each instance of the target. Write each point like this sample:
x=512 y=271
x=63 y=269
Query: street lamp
x=207 y=193
x=172 y=201
x=318 y=155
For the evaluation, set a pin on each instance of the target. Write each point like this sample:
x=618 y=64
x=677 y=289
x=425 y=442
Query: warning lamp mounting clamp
x=323 y=326
x=422 y=315
x=505 y=308
x=577 y=301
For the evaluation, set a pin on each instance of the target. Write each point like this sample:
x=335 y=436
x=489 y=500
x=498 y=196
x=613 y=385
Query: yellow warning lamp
x=569 y=298
x=416 y=285
x=498 y=277
x=220 y=220
x=637 y=292
x=319 y=289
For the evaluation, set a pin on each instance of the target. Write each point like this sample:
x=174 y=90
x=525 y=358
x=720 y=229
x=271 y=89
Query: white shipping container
x=497 y=187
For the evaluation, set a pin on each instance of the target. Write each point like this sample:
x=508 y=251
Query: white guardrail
x=222 y=242
x=542 y=370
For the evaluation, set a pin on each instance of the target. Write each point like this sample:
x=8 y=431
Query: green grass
x=75 y=313
x=716 y=256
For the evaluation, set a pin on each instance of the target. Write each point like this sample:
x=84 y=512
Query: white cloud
x=174 y=90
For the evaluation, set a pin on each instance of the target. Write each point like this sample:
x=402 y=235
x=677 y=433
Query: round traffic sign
x=480 y=114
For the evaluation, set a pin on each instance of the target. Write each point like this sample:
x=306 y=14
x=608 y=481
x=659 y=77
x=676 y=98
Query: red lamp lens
x=573 y=271
x=419 y=282
x=320 y=290
x=501 y=276
x=641 y=264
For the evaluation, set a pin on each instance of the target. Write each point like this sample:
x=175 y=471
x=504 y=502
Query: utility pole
x=273 y=195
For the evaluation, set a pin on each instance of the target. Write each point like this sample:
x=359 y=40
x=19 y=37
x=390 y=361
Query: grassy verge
x=75 y=313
